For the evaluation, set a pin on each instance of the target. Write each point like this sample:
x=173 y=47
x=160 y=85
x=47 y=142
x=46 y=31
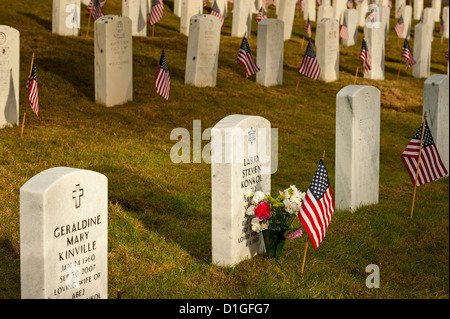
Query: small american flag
x=215 y=11
x=32 y=88
x=372 y=15
x=162 y=81
x=365 y=56
x=310 y=66
x=156 y=12
x=442 y=28
x=431 y=167
x=261 y=15
x=318 y=206
x=319 y=2
x=246 y=58
x=95 y=8
x=344 y=31
x=399 y=11
x=446 y=55
x=301 y=5
x=307 y=27
x=390 y=4
x=406 y=53
x=399 y=27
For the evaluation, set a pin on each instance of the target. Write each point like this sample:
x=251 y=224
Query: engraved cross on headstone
x=76 y=194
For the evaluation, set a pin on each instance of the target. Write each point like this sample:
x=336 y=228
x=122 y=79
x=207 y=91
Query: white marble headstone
x=436 y=5
x=66 y=17
x=310 y=10
x=203 y=51
x=270 y=52
x=375 y=42
x=9 y=76
x=64 y=235
x=242 y=18
x=189 y=8
x=422 y=51
x=286 y=13
x=137 y=11
x=417 y=9
x=113 y=60
x=351 y=19
x=327 y=45
x=240 y=159
x=357 y=147
x=435 y=103
x=446 y=21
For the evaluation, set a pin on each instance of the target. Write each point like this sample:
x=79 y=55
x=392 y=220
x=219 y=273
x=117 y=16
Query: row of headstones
x=64 y=211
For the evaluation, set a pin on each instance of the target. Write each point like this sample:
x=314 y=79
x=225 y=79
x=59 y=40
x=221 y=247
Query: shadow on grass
x=172 y=215
x=45 y=23
x=10 y=278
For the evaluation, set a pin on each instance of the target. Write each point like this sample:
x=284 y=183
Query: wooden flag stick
x=24 y=113
x=298 y=82
x=356 y=74
x=306 y=246
x=153 y=30
x=418 y=163
x=89 y=23
x=232 y=78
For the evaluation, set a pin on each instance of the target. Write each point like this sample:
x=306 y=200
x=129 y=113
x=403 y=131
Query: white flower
x=259 y=196
x=256 y=227
x=247 y=193
x=250 y=210
x=264 y=226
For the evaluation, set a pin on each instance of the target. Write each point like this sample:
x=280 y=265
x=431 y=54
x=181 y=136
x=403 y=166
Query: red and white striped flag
x=350 y=4
x=261 y=15
x=307 y=27
x=310 y=66
x=246 y=58
x=318 y=206
x=32 y=88
x=365 y=56
x=215 y=11
x=399 y=26
x=156 y=12
x=162 y=81
x=301 y=5
x=430 y=167
x=407 y=54
x=344 y=31
x=95 y=8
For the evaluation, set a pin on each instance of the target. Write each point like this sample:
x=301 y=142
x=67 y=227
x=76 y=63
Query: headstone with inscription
x=351 y=19
x=64 y=235
x=375 y=42
x=137 y=11
x=357 y=147
x=203 y=51
x=189 y=8
x=339 y=6
x=240 y=160
x=270 y=52
x=286 y=13
x=9 y=76
x=66 y=17
x=327 y=45
x=435 y=103
x=242 y=18
x=422 y=51
x=113 y=60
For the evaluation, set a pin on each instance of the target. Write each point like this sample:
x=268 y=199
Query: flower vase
x=274 y=242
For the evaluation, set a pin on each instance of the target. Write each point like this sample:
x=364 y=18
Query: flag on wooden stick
x=310 y=66
x=307 y=27
x=318 y=206
x=399 y=26
x=344 y=31
x=32 y=88
x=162 y=81
x=215 y=11
x=156 y=12
x=365 y=56
x=95 y=8
x=246 y=58
x=407 y=54
x=261 y=15
x=431 y=166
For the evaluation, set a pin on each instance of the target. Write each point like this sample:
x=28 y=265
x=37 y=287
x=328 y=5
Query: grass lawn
x=160 y=212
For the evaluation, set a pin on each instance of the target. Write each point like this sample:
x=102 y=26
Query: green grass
x=160 y=212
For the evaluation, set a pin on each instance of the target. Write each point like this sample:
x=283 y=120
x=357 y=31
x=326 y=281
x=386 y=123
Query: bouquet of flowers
x=275 y=213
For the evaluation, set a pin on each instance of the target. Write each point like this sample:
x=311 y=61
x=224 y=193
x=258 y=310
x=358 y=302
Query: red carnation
x=262 y=210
